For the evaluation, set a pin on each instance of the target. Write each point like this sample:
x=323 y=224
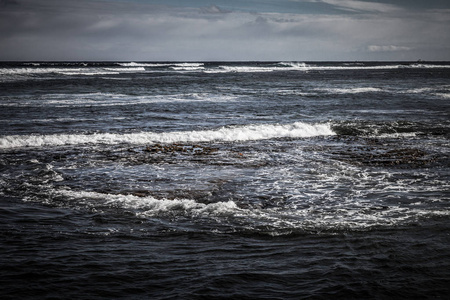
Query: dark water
x=224 y=180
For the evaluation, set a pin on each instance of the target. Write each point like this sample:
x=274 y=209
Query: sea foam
x=225 y=134
x=150 y=206
x=344 y=216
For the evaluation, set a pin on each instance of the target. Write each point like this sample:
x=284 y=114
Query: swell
x=208 y=67
x=226 y=134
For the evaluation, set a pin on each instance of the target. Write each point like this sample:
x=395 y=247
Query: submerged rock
x=180 y=148
x=376 y=153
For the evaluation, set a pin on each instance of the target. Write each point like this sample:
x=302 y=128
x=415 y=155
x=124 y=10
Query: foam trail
x=352 y=90
x=227 y=134
x=308 y=219
x=301 y=66
x=150 y=206
x=135 y=64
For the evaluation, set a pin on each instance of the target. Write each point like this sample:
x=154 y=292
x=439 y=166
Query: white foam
x=271 y=220
x=136 y=69
x=187 y=68
x=99 y=71
x=93 y=73
x=352 y=90
x=8 y=74
x=283 y=66
x=68 y=71
x=379 y=67
x=150 y=206
x=443 y=95
x=396 y=135
x=240 y=69
x=181 y=65
x=189 y=64
x=295 y=64
x=228 y=134
x=419 y=90
x=301 y=66
x=134 y=64
x=111 y=99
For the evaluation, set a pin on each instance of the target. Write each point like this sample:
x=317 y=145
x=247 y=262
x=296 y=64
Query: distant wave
x=134 y=64
x=180 y=64
x=92 y=69
x=250 y=68
x=69 y=71
x=115 y=99
x=293 y=65
x=358 y=66
x=171 y=66
x=301 y=66
x=227 y=134
x=361 y=66
x=352 y=90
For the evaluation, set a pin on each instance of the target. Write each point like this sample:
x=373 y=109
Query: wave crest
x=225 y=134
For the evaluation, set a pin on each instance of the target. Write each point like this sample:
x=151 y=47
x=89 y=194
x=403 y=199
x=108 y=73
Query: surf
x=223 y=134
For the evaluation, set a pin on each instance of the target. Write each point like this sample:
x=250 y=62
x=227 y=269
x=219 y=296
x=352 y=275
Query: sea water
x=180 y=180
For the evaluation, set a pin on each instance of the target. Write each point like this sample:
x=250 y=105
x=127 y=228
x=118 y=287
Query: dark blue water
x=281 y=180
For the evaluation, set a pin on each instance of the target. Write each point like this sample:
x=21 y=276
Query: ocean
x=224 y=180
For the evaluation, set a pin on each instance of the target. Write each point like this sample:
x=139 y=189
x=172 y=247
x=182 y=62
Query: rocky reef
x=374 y=152
x=180 y=148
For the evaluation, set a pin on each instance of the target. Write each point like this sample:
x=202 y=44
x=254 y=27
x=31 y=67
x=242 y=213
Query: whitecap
x=276 y=221
x=351 y=90
x=224 y=134
x=150 y=207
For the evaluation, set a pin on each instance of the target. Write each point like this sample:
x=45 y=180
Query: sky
x=224 y=30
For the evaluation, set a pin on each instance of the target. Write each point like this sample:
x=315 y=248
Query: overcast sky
x=205 y=30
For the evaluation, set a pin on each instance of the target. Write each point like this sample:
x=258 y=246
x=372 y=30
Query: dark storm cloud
x=226 y=30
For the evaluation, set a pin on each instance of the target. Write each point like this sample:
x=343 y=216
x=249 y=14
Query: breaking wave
x=69 y=71
x=136 y=64
x=226 y=134
x=30 y=70
x=301 y=66
x=273 y=221
x=352 y=90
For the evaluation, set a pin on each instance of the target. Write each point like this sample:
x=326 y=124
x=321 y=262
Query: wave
x=352 y=90
x=224 y=134
x=187 y=68
x=240 y=69
x=150 y=206
x=304 y=67
x=293 y=65
x=272 y=221
x=112 y=99
x=356 y=66
x=443 y=95
x=92 y=69
x=69 y=71
x=170 y=66
x=181 y=64
x=250 y=68
x=134 y=64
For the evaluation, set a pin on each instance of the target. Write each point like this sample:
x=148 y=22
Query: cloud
x=375 y=48
x=360 y=6
x=101 y=30
x=8 y=3
x=213 y=9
